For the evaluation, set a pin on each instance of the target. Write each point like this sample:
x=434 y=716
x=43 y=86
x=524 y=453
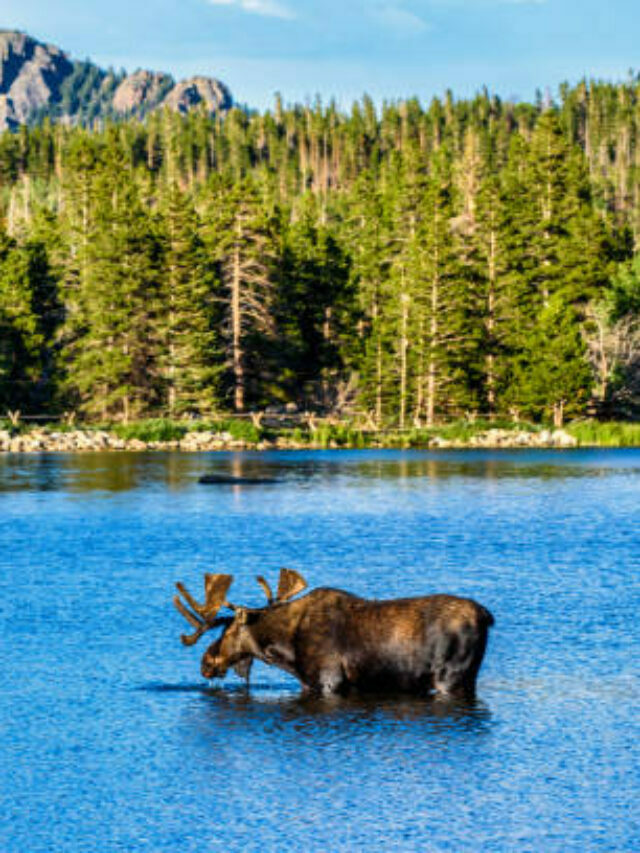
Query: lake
x=112 y=741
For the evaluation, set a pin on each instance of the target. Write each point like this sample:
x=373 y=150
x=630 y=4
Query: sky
x=342 y=49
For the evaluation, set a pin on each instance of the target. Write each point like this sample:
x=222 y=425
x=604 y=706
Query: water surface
x=112 y=741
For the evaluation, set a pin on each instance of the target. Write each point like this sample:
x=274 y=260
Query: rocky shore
x=495 y=438
x=74 y=441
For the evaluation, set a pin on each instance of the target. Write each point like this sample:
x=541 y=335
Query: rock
x=31 y=73
x=188 y=94
x=141 y=91
x=560 y=438
x=8 y=120
x=439 y=443
x=231 y=480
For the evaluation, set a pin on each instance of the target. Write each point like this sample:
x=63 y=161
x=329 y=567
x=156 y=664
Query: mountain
x=39 y=80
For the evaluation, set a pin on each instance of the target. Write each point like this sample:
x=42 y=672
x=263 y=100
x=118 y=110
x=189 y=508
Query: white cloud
x=267 y=8
x=398 y=19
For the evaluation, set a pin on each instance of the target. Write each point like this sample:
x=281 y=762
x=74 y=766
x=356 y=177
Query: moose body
x=333 y=641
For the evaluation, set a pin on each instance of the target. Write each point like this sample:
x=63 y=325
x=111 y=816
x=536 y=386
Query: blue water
x=112 y=741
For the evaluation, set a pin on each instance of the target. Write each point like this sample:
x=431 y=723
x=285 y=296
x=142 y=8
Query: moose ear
x=289 y=584
x=267 y=589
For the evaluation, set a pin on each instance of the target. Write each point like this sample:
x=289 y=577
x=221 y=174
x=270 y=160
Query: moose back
x=333 y=641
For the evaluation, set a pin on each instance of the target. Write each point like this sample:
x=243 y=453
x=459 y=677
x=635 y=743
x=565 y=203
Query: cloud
x=400 y=20
x=267 y=8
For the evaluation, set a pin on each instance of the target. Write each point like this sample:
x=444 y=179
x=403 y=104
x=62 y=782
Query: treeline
x=472 y=257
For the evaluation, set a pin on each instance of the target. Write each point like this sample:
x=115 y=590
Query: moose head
x=236 y=647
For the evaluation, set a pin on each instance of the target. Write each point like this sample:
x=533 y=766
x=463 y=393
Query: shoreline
x=92 y=441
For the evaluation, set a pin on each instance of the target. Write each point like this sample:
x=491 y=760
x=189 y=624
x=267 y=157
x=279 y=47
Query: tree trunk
x=236 y=322
x=491 y=378
x=433 y=332
x=558 y=414
x=404 y=343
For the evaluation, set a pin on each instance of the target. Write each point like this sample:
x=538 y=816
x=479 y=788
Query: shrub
x=240 y=430
x=606 y=434
x=155 y=429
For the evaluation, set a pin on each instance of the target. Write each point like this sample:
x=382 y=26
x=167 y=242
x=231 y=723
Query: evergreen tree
x=314 y=313
x=552 y=377
x=239 y=235
x=113 y=354
x=187 y=261
x=21 y=337
x=370 y=235
x=186 y=327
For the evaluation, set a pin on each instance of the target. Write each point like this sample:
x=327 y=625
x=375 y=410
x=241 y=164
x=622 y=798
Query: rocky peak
x=31 y=73
x=38 y=80
x=7 y=114
x=140 y=91
x=189 y=94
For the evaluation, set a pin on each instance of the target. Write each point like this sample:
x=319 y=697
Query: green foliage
x=339 y=435
x=624 y=298
x=239 y=430
x=605 y=434
x=154 y=429
x=552 y=378
x=416 y=265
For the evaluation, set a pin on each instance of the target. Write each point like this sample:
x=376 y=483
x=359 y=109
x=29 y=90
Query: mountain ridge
x=39 y=80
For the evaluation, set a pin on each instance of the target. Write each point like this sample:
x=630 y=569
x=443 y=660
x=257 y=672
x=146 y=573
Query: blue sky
x=343 y=48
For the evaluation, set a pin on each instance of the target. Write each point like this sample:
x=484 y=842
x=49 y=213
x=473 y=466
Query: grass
x=239 y=430
x=154 y=429
x=605 y=433
x=344 y=435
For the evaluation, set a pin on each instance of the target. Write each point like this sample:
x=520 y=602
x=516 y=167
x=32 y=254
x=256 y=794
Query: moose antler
x=266 y=588
x=290 y=583
x=204 y=617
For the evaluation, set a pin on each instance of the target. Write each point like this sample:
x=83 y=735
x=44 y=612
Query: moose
x=333 y=641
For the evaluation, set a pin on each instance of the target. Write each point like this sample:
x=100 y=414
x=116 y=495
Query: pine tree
x=21 y=337
x=113 y=352
x=445 y=305
x=238 y=234
x=314 y=312
x=552 y=376
x=369 y=227
x=186 y=327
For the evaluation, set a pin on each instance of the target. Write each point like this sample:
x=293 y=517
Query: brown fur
x=333 y=641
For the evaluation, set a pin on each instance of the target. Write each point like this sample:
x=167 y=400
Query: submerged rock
x=230 y=480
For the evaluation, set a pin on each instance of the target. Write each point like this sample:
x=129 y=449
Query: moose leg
x=457 y=661
x=326 y=676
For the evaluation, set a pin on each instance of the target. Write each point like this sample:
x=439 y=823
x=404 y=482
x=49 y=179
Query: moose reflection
x=333 y=641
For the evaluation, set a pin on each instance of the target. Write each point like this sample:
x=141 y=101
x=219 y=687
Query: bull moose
x=332 y=641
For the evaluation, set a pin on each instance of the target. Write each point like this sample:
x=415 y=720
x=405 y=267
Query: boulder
x=189 y=94
x=141 y=91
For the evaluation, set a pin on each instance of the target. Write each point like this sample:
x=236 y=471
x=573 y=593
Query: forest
x=413 y=263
